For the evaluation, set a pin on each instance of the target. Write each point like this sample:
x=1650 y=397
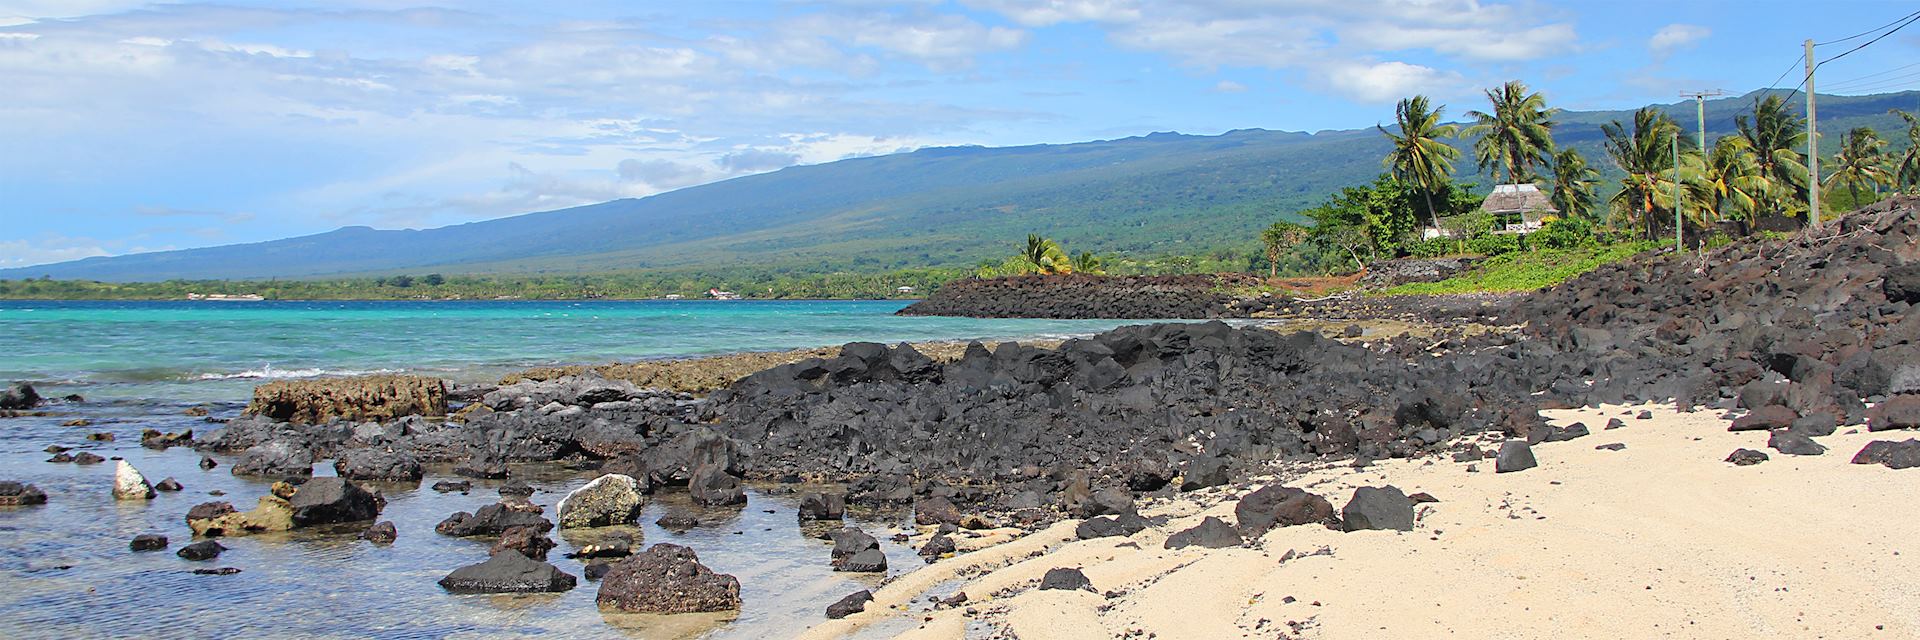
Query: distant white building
x=722 y=295
x=1515 y=209
x=1518 y=208
x=904 y=290
x=675 y=296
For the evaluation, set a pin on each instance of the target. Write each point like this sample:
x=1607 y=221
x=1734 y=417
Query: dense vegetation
x=1145 y=199
x=1165 y=203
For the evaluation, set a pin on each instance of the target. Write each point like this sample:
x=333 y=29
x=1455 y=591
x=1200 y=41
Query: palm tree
x=1044 y=255
x=1418 y=154
x=1906 y=168
x=1277 y=239
x=1731 y=179
x=1646 y=154
x=1573 y=184
x=1086 y=262
x=1775 y=137
x=1862 y=160
x=1517 y=135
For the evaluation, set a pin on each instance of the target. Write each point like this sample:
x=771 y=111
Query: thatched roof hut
x=1518 y=208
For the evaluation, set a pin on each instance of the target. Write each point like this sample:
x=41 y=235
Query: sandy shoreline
x=1661 y=539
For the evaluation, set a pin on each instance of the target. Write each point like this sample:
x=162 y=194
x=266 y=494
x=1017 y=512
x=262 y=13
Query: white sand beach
x=1663 y=539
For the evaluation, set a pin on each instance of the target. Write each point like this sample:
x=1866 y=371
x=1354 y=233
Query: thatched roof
x=1517 y=198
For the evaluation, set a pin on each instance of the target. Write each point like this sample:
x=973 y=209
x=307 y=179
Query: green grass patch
x=1526 y=271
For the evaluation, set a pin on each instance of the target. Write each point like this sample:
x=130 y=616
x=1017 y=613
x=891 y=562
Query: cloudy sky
x=133 y=126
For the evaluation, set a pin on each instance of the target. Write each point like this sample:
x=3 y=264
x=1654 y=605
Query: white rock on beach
x=608 y=500
x=128 y=484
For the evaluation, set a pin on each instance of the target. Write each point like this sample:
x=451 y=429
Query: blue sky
x=134 y=126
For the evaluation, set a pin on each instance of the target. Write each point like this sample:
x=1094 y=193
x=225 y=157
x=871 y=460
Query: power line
x=1880 y=88
x=1866 y=33
x=1875 y=75
x=1910 y=20
x=1874 y=84
x=1783 y=74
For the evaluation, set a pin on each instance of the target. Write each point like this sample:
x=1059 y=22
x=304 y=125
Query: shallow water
x=197 y=351
x=66 y=571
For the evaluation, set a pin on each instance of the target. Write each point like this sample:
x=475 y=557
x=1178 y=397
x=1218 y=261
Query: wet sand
x=1661 y=540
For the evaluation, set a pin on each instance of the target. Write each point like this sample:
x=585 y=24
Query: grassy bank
x=1526 y=271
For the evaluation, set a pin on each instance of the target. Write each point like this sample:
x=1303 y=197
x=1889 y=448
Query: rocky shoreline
x=1794 y=337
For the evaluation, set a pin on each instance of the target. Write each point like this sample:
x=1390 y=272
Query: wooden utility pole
x=1813 y=148
x=1677 y=247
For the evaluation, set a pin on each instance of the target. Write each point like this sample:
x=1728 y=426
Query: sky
x=132 y=126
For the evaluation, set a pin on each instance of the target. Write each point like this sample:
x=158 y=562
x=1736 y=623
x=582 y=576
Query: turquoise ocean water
x=216 y=351
x=66 y=571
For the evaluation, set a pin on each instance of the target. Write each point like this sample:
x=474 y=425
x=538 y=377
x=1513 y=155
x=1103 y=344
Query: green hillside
x=1160 y=194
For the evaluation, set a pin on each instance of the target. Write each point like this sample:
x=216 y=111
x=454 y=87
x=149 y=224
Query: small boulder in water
x=370 y=463
x=331 y=501
x=869 y=561
x=16 y=494
x=87 y=457
x=667 y=578
x=526 y=540
x=148 y=542
x=202 y=550
x=168 y=484
x=382 y=532
x=823 y=506
x=508 y=572
x=712 y=486
x=607 y=500
x=19 y=396
x=128 y=484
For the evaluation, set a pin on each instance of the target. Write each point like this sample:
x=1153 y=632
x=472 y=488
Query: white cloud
x=49 y=249
x=1388 y=81
x=229 y=217
x=1050 y=12
x=1674 y=37
x=1229 y=86
x=942 y=41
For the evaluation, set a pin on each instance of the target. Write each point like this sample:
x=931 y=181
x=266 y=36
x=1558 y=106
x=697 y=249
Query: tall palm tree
x=1573 y=184
x=1906 y=168
x=1776 y=137
x=1517 y=135
x=1731 y=180
x=1418 y=154
x=1862 y=160
x=1087 y=262
x=1044 y=255
x=1645 y=153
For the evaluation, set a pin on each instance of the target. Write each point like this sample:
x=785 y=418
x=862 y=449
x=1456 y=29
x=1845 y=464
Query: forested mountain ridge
x=1158 y=194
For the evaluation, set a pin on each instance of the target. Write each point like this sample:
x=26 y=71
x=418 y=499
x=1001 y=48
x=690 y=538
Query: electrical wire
x=1903 y=25
x=1874 y=84
x=1873 y=75
x=1867 y=33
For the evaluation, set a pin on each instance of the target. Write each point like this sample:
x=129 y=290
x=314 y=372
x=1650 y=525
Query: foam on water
x=267 y=372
